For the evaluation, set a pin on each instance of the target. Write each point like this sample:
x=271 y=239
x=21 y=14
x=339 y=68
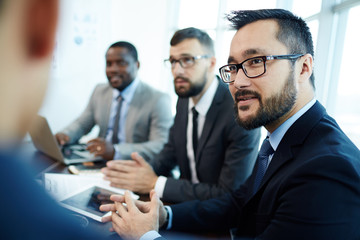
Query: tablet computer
x=87 y=201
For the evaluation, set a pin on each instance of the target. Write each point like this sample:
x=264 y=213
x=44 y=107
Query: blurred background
x=88 y=27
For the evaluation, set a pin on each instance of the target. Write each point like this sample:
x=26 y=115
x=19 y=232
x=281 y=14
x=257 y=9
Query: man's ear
x=306 y=67
x=212 y=63
x=40 y=24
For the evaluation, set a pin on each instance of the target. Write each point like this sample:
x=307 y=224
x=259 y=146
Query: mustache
x=239 y=93
x=181 y=78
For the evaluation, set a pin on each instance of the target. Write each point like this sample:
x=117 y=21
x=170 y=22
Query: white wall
x=86 y=29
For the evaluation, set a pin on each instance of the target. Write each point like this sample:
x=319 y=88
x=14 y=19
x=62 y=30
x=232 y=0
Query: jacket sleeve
x=84 y=123
x=239 y=158
x=213 y=215
x=157 y=134
x=165 y=161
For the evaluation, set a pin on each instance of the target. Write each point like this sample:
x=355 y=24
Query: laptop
x=44 y=141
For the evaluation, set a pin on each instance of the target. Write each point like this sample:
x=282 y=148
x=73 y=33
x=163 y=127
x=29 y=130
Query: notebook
x=44 y=140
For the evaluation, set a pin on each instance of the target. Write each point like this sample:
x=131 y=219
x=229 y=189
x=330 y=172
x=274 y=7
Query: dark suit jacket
x=27 y=212
x=311 y=189
x=225 y=155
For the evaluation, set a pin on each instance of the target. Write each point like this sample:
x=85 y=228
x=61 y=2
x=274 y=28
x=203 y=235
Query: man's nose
x=177 y=68
x=241 y=80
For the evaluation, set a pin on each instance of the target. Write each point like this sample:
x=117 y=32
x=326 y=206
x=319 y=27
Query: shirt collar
x=279 y=133
x=128 y=93
x=205 y=102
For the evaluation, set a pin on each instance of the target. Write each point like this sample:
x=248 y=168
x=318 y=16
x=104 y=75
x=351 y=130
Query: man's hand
x=137 y=175
x=100 y=147
x=62 y=138
x=136 y=218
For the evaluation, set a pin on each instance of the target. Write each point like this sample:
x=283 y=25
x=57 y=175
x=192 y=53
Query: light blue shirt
x=151 y=235
x=279 y=133
x=127 y=95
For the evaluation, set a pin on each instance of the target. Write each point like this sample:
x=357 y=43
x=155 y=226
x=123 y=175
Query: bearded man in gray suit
x=131 y=115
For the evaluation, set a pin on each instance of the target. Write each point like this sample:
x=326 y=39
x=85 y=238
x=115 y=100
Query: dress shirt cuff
x=117 y=154
x=170 y=215
x=160 y=186
x=150 y=235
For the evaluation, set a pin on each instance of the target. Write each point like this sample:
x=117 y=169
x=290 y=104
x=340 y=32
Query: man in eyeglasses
x=213 y=154
x=306 y=180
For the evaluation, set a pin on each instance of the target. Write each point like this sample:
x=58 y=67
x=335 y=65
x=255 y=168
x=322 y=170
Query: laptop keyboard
x=69 y=154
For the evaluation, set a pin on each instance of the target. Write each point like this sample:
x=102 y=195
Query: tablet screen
x=90 y=200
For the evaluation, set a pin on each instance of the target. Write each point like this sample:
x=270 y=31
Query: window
x=347 y=108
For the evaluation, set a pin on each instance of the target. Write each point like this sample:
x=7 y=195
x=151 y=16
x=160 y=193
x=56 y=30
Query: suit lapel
x=105 y=111
x=294 y=137
x=181 y=130
x=210 y=120
x=133 y=111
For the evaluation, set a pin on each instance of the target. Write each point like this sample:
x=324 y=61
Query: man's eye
x=187 y=59
x=232 y=68
x=255 y=61
x=122 y=63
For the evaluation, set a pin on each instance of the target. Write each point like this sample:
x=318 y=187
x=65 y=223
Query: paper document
x=60 y=185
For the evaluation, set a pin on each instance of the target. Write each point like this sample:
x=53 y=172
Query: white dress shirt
x=202 y=107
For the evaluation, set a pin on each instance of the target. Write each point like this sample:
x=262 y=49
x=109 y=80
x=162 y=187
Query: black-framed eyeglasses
x=185 y=61
x=252 y=67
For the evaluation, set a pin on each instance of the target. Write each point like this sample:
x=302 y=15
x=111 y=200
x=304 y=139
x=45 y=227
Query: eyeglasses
x=252 y=67
x=185 y=62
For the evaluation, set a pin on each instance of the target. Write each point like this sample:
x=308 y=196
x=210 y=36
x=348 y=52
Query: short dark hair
x=188 y=33
x=131 y=48
x=293 y=30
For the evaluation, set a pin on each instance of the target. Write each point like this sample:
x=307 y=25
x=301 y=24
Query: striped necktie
x=263 y=158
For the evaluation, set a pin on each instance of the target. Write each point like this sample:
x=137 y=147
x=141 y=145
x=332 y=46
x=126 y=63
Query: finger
x=122 y=186
x=117 y=198
x=121 y=209
x=95 y=140
x=155 y=202
x=120 y=164
x=91 y=148
x=130 y=202
x=139 y=159
x=106 y=219
x=142 y=206
x=117 y=174
x=107 y=207
x=117 y=222
x=117 y=177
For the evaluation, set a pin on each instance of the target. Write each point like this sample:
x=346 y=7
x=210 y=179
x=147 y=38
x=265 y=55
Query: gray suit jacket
x=225 y=155
x=148 y=121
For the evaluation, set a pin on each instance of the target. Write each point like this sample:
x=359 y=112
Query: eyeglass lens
x=252 y=68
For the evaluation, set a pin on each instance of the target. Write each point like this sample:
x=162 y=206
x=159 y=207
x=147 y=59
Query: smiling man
x=305 y=184
x=132 y=116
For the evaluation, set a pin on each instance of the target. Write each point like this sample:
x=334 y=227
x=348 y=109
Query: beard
x=194 y=88
x=271 y=109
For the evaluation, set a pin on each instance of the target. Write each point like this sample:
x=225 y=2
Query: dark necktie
x=265 y=151
x=115 y=138
x=195 y=129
